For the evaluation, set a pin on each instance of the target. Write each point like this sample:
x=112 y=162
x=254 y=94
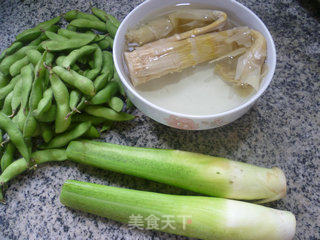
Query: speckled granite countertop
x=282 y=129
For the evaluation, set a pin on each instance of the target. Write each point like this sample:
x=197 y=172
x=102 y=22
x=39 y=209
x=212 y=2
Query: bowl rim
x=246 y=104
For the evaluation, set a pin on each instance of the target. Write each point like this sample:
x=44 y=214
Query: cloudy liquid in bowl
x=196 y=90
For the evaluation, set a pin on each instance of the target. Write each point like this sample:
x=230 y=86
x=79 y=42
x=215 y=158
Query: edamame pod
x=49 y=23
x=67 y=44
x=106 y=43
x=108 y=66
x=89 y=24
x=34 y=56
x=71 y=34
x=75 y=97
x=27 y=79
x=13 y=48
x=37 y=86
x=10 y=50
x=112 y=29
x=108 y=113
x=73 y=14
x=65 y=138
x=48 y=116
x=61 y=96
x=30 y=126
x=16 y=67
x=92 y=133
x=60 y=60
x=116 y=104
x=19 y=119
x=97 y=63
x=4 y=80
x=6 y=108
x=44 y=104
x=105 y=16
x=54 y=36
x=46 y=132
x=7 y=157
x=104 y=95
x=16 y=98
x=15 y=135
x=28 y=35
x=7 y=89
x=76 y=80
x=76 y=54
x=9 y=60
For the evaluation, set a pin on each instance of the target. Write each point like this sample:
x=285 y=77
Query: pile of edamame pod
x=58 y=84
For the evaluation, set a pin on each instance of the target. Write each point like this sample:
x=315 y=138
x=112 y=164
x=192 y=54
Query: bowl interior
x=239 y=14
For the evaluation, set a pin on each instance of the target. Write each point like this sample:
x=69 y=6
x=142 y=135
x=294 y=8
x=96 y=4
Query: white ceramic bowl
x=240 y=14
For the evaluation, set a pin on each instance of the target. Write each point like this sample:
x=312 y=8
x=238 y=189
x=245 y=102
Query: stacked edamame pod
x=59 y=85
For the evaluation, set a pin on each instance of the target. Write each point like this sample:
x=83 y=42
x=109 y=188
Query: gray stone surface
x=282 y=129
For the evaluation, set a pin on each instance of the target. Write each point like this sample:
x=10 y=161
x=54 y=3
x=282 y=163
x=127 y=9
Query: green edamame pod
x=16 y=67
x=100 y=81
x=47 y=24
x=67 y=44
x=99 y=13
x=10 y=50
x=99 y=38
x=73 y=14
x=54 y=36
x=16 y=98
x=75 y=98
x=129 y=104
x=7 y=157
x=30 y=126
x=77 y=118
x=9 y=60
x=38 y=40
x=104 y=95
x=76 y=54
x=76 y=80
x=60 y=60
x=48 y=116
x=37 y=86
x=71 y=34
x=34 y=56
x=92 y=133
x=19 y=119
x=6 y=108
x=4 y=80
x=49 y=59
x=28 y=35
x=63 y=139
x=97 y=64
x=108 y=66
x=15 y=135
x=106 y=43
x=82 y=23
x=13 y=48
x=46 y=132
x=113 y=20
x=105 y=16
x=27 y=79
x=82 y=104
x=44 y=104
x=116 y=104
x=61 y=96
x=37 y=132
x=111 y=28
x=108 y=113
x=4 y=91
